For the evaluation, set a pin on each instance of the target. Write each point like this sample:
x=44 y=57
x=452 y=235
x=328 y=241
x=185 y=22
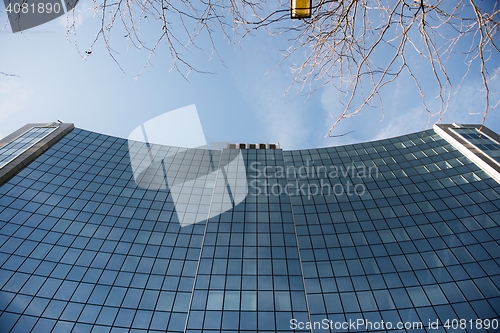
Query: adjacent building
x=100 y=234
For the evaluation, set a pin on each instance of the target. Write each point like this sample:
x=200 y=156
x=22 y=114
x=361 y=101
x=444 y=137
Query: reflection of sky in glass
x=483 y=142
x=243 y=101
x=23 y=143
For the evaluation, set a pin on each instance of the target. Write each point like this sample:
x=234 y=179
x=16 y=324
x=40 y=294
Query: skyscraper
x=398 y=235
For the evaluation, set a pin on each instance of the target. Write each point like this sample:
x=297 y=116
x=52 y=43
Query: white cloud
x=13 y=97
x=282 y=121
x=466 y=106
x=83 y=11
x=283 y=118
x=403 y=112
x=357 y=128
x=332 y=109
x=413 y=120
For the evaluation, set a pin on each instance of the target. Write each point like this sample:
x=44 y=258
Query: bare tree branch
x=7 y=74
x=357 y=46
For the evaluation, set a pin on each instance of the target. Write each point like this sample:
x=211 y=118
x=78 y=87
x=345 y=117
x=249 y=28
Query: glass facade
x=481 y=141
x=397 y=235
x=22 y=143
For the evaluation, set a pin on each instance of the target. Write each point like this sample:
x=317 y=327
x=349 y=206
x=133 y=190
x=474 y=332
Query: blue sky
x=243 y=101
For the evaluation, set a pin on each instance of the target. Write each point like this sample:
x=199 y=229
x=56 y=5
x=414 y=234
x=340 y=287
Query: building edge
x=23 y=159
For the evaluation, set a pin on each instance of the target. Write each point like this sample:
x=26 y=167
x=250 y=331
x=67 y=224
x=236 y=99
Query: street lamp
x=301 y=9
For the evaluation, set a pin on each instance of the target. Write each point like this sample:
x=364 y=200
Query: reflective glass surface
x=484 y=143
x=23 y=143
x=403 y=231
